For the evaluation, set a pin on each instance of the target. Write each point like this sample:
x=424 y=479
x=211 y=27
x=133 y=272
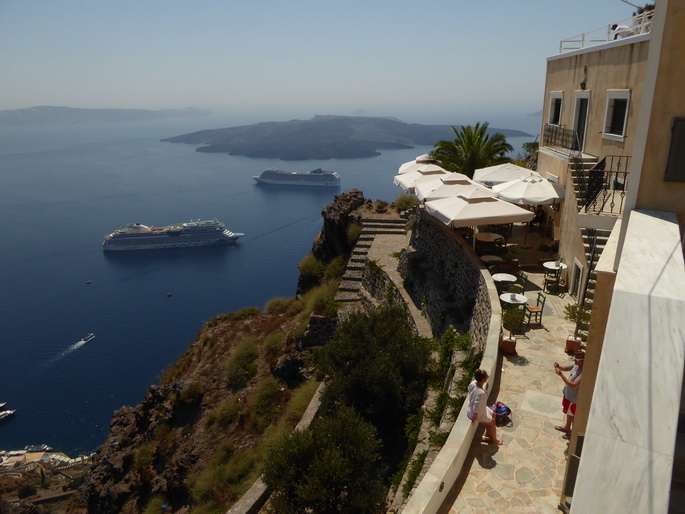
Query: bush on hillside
x=406 y=202
x=330 y=467
x=241 y=365
x=311 y=268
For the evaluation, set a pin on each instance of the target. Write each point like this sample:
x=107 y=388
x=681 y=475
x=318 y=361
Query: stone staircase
x=602 y=237
x=350 y=286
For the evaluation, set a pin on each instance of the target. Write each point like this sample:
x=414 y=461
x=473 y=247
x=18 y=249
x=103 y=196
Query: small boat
x=2 y=404
x=6 y=414
x=89 y=337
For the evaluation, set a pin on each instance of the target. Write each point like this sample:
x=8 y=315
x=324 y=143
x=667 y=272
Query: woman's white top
x=477 y=408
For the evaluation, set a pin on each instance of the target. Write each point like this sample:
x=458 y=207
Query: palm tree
x=471 y=149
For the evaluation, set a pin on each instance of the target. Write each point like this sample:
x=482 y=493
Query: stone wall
x=381 y=289
x=446 y=274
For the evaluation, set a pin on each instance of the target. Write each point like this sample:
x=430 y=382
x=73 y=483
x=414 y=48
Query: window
x=675 y=166
x=616 y=114
x=556 y=99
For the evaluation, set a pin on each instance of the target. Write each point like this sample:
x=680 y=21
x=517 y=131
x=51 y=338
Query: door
x=581 y=120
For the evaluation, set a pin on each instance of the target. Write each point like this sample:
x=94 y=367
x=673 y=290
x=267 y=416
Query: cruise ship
x=194 y=233
x=316 y=177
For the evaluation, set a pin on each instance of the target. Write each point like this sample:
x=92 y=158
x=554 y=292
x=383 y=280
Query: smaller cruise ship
x=184 y=235
x=317 y=177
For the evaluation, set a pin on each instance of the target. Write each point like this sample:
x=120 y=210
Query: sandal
x=499 y=442
x=566 y=436
x=561 y=429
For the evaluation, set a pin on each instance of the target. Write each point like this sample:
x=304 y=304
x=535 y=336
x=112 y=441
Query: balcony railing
x=603 y=188
x=556 y=136
x=636 y=25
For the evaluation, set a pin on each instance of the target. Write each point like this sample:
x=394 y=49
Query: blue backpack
x=502 y=415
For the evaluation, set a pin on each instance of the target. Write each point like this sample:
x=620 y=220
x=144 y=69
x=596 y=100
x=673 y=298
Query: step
x=348 y=288
x=360 y=252
x=376 y=231
x=358 y=259
x=388 y=221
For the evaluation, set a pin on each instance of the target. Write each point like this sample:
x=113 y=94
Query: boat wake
x=71 y=349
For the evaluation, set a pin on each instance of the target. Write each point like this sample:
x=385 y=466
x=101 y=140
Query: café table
x=554 y=266
x=504 y=278
x=491 y=259
x=488 y=237
x=514 y=299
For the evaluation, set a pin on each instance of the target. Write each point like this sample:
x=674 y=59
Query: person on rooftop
x=621 y=31
x=478 y=411
x=571 y=387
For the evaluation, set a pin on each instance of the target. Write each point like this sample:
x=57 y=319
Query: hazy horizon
x=435 y=62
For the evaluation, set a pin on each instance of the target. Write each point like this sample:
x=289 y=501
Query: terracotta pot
x=573 y=344
x=509 y=345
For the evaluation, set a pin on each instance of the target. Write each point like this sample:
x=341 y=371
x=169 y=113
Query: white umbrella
x=447 y=186
x=493 y=175
x=476 y=208
x=410 y=166
x=530 y=189
x=407 y=181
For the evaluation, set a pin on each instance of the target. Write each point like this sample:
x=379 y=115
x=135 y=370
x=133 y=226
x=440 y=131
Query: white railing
x=634 y=26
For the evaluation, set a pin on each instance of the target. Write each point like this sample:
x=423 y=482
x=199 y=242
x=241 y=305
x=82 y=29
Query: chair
x=552 y=278
x=523 y=279
x=536 y=310
x=515 y=288
x=500 y=246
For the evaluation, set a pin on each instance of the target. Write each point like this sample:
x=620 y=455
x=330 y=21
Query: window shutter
x=675 y=166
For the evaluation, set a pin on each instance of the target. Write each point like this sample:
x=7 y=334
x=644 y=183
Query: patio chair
x=523 y=279
x=552 y=278
x=535 y=311
x=515 y=288
x=500 y=246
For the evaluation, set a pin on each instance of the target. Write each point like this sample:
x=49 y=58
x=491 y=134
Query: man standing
x=571 y=387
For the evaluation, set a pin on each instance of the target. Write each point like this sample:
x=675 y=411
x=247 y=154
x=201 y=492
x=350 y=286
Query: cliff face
x=181 y=427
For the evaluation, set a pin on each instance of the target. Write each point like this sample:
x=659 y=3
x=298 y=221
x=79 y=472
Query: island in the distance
x=322 y=137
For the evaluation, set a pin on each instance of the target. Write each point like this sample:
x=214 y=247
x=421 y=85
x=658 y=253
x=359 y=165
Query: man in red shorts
x=572 y=385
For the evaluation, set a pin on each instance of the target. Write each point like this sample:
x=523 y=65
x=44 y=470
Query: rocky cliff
x=199 y=419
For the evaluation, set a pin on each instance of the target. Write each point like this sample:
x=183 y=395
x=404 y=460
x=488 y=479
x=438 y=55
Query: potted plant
x=510 y=256
x=381 y=206
x=511 y=320
x=580 y=315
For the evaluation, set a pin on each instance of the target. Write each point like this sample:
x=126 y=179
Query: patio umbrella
x=425 y=172
x=447 y=186
x=530 y=189
x=493 y=175
x=410 y=166
x=476 y=208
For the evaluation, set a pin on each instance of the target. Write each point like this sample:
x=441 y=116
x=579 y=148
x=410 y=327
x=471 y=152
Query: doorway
x=580 y=124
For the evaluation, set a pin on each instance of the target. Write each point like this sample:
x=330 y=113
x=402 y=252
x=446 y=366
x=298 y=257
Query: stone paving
x=525 y=474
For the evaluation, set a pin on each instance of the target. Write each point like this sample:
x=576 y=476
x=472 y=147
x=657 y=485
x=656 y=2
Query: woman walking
x=478 y=411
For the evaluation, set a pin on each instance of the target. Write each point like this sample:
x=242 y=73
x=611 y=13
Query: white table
x=503 y=277
x=491 y=259
x=513 y=298
x=554 y=266
x=488 y=237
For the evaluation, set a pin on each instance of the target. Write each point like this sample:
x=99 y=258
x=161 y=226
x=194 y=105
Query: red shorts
x=566 y=403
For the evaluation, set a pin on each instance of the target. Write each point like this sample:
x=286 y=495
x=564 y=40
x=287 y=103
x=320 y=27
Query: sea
x=62 y=189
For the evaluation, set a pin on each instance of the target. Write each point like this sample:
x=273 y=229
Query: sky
x=427 y=61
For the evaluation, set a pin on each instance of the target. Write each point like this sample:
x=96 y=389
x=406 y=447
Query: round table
x=554 y=266
x=491 y=259
x=513 y=298
x=503 y=277
x=488 y=237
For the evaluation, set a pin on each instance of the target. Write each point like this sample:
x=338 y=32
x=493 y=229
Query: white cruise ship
x=194 y=233
x=316 y=177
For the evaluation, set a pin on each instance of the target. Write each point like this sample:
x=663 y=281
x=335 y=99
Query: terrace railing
x=638 y=24
x=606 y=185
x=556 y=136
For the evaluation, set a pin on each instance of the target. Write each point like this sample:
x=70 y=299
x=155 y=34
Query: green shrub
x=26 y=490
x=311 y=268
x=247 y=312
x=414 y=469
x=274 y=345
x=154 y=506
x=192 y=395
x=229 y=411
x=330 y=467
x=299 y=401
x=265 y=400
x=336 y=268
x=406 y=202
x=278 y=305
x=241 y=366
x=142 y=459
x=354 y=230
x=331 y=309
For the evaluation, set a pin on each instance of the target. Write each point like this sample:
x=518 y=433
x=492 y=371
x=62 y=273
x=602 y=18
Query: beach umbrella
x=476 y=208
x=530 y=189
x=493 y=175
x=447 y=186
x=410 y=166
x=426 y=172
